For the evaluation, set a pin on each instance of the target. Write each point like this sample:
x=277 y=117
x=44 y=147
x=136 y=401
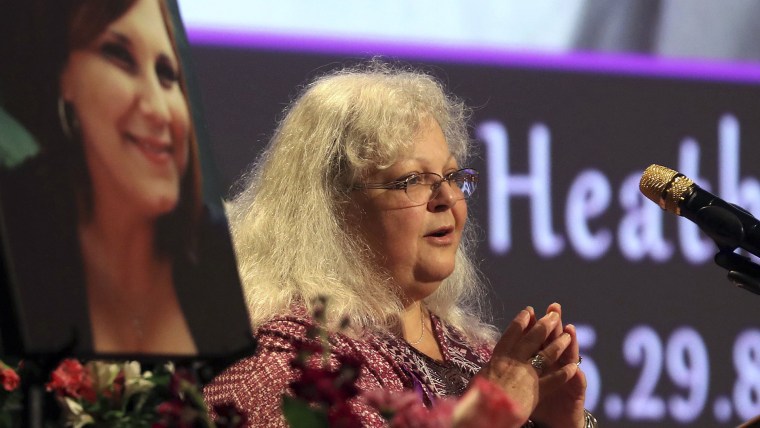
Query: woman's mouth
x=441 y=235
x=155 y=149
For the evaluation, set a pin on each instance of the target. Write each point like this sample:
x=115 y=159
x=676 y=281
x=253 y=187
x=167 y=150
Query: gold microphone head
x=665 y=187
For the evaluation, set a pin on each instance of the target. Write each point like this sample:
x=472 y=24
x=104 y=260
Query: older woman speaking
x=361 y=196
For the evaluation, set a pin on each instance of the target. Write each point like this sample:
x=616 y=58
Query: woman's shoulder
x=286 y=331
x=281 y=337
x=256 y=383
x=297 y=330
x=269 y=370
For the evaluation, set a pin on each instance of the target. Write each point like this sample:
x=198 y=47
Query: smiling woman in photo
x=130 y=115
x=119 y=173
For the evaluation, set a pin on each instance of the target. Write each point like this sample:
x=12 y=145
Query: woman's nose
x=152 y=102
x=443 y=198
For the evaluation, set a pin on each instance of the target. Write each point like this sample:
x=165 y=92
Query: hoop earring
x=67 y=119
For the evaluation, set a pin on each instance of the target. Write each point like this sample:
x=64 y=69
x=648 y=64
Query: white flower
x=134 y=381
x=103 y=374
x=75 y=415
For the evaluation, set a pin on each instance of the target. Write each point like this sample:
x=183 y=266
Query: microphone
x=729 y=225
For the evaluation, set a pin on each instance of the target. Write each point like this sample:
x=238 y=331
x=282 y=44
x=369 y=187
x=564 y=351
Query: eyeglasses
x=422 y=187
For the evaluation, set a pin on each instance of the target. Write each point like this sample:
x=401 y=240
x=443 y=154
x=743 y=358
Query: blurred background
x=573 y=99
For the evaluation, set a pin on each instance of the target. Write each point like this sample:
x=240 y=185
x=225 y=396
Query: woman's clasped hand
x=536 y=361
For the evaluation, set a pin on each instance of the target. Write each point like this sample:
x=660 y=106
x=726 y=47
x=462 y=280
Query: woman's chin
x=436 y=272
x=429 y=280
x=159 y=205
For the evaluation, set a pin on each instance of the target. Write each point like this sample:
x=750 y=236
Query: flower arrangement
x=483 y=405
x=321 y=394
x=9 y=395
x=8 y=377
x=121 y=394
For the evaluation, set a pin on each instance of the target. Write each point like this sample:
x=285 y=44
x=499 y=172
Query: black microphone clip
x=721 y=225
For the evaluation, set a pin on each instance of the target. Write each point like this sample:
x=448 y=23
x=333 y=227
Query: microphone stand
x=728 y=233
x=742 y=272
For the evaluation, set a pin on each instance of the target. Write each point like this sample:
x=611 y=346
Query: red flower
x=179 y=381
x=325 y=385
x=317 y=385
x=171 y=409
x=321 y=381
x=174 y=414
x=341 y=416
x=116 y=389
x=229 y=416
x=9 y=378
x=70 y=379
x=118 y=385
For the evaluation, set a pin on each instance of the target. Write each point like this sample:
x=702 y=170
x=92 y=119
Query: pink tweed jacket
x=255 y=384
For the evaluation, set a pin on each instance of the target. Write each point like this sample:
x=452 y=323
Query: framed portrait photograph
x=114 y=236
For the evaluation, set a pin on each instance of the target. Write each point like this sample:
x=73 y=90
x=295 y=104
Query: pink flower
x=389 y=403
x=419 y=416
x=405 y=409
x=70 y=379
x=9 y=378
x=485 y=405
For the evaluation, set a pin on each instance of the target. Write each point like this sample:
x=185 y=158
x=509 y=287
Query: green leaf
x=5 y=419
x=16 y=143
x=299 y=414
